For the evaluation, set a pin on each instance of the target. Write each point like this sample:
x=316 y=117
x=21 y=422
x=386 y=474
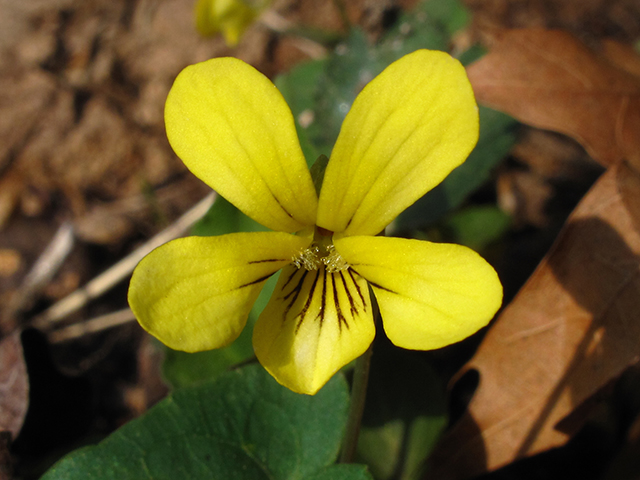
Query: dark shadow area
x=60 y=407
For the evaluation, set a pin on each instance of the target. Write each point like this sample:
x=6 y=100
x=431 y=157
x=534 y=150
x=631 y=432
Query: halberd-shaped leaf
x=242 y=426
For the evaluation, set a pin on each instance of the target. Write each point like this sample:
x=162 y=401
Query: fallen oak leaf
x=570 y=331
x=551 y=80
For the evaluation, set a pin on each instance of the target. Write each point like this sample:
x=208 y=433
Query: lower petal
x=195 y=293
x=430 y=294
x=315 y=323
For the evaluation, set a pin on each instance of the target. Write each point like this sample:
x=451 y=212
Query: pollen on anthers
x=320 y=254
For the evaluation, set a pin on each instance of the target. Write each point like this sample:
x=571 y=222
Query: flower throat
x=321 y=254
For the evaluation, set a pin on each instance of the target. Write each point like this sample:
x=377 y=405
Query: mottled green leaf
x=298 y=87
x=476 y=227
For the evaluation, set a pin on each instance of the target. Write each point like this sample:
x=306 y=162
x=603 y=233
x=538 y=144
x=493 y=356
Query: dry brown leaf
x=14 y=385
x=551 y=80
x=571 y=329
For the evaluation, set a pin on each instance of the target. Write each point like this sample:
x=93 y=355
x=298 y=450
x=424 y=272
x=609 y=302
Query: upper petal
x=406 y=130
x=232 y=128
x=315 y=323
x=196 y=293
x=430 y=294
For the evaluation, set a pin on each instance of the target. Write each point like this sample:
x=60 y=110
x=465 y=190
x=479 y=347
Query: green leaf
x=223 y=218
x=349 y=68
x=298 y=87
x=451 y=16
x=426 y=26
x=476 y=227
x=242 y=426
x=342 y=472
x=404 y=417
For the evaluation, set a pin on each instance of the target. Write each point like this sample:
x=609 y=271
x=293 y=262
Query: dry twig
x=45 y=267
x=109 y=278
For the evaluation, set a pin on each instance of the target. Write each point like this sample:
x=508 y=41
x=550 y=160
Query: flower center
x=320 y=254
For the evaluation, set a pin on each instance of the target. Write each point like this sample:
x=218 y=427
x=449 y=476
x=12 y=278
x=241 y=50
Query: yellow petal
x=232 y=128
x=430 y=294
x=315 y=323
x=195 y=293
x=405 y=132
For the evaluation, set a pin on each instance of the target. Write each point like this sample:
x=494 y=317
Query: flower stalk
x=356 y=407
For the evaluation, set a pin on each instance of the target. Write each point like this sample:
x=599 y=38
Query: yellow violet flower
x=230 y=17
x=405 y=132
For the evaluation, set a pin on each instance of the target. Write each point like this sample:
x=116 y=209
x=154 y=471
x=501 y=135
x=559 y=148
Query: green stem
x=356 y=407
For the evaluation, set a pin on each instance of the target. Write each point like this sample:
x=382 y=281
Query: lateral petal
x=195 y=293
x=315 y=323
x=430 y=294
x=407 y=129
x=232 y=128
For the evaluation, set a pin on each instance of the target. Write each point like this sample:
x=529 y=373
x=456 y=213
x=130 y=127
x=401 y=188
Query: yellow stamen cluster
x=333 y=261
x=313 y=258
x=309 y=258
